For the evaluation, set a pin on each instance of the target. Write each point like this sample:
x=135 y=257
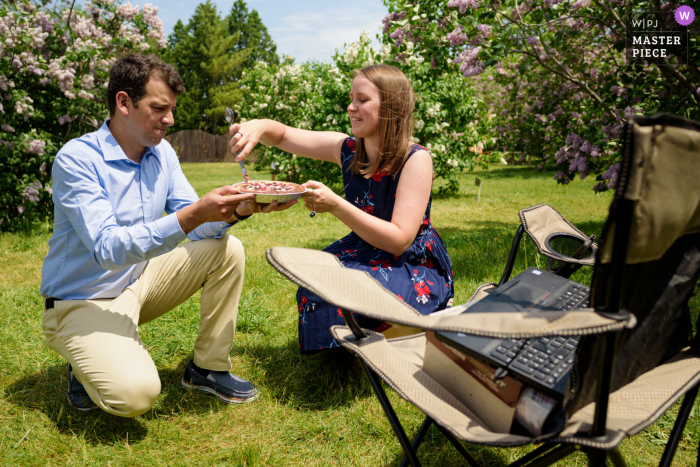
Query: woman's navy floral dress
x=422 y=276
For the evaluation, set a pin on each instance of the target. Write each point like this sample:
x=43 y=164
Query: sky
x=305 y=29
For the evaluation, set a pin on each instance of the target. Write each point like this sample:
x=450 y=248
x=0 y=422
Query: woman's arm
x=320 y=145
x=412 y=195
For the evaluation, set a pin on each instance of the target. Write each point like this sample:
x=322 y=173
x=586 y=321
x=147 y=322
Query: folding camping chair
x=635 y=358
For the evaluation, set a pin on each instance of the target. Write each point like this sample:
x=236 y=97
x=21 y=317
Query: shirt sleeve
x=181 y=194
x=77 y=191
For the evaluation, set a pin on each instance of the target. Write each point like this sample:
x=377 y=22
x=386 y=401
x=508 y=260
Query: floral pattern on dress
x=421 y=276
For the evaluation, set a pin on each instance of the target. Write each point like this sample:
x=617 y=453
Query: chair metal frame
x=551 y=452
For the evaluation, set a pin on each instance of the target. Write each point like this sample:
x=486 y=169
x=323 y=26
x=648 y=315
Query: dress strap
x=414 y=149
x=347 y=152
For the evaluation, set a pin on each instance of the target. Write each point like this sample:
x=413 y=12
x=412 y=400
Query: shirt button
x=221 y=226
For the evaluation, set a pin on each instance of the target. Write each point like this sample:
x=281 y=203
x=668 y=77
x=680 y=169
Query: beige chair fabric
x=666 y=195
x=399 y=362
x=481 y=292
x=541 y=221
x=324 y=275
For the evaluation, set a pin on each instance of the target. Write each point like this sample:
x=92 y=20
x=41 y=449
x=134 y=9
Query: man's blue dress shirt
x=109 y=216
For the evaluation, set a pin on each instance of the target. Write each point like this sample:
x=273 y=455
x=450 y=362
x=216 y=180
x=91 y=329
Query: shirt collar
x=111 y=150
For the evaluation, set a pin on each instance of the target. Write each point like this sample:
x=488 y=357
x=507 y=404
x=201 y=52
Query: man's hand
x=249 y=207
x=217 y=205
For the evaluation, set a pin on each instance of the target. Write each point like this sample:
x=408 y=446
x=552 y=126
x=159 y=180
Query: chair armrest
x=542 y=221
x=352 y=290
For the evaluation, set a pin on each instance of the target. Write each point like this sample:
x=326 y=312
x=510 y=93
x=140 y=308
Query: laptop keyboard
x=545 y=359
x=575 y=297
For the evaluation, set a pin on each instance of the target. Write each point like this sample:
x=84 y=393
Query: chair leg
x=391 y=415
x=419 y=438
x=554 y=456
x=540 y=451
x=616 y=458
x=597 y=458
x=677 y=432
x=459 y=447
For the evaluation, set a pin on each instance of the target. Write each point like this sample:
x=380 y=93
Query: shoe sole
x=214 y=392
x=70 y=401
x=80 y=409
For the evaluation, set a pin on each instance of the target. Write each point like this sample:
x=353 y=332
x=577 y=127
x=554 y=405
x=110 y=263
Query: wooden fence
x=200 y=146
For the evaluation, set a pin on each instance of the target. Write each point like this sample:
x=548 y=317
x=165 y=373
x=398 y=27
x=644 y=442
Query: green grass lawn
x=314 y=410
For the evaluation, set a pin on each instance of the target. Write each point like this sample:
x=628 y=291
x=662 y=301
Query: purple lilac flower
x=36 y=146
x=580 y=4
x=574 y=140
x=629 y=112
x=477 y=69
x=601 y=186
x=20 y=208
x=32 y=192
x=392 y=17
x=7 y=128
x=463 y=4
x=618 y=90
x=616 y=130
x=611 y=174
x=457 y=37
x=399 y=35
x=484 y=29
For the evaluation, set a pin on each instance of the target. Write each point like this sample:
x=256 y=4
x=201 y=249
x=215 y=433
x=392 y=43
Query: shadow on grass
x=45 y=391
x=314 y=382
x=438 y=451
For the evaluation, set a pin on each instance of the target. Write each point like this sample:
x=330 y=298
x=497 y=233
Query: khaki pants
x=100 y=338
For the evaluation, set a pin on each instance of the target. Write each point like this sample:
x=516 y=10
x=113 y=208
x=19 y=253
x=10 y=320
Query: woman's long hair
x=395 y=121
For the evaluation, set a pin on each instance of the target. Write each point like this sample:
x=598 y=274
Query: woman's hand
x=319 y=197
x=244 y=137
x=249 y=206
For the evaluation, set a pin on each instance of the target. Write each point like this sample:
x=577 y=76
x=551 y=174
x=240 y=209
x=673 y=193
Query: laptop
x=543 y=363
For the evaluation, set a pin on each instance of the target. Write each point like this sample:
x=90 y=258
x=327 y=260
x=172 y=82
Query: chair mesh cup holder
x=577 y=247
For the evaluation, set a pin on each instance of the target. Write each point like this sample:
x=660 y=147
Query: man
x=114 y=262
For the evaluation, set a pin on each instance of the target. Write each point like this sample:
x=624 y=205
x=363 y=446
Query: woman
x=388 y=182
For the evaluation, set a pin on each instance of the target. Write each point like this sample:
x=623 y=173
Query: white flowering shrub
x=312 y=96
x=54 y=68
x=315 y=96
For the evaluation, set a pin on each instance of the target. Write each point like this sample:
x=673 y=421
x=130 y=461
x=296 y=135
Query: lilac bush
x=54 y=68
x=558 y=75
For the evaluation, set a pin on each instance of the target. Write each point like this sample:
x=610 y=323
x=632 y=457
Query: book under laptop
x=543 y=363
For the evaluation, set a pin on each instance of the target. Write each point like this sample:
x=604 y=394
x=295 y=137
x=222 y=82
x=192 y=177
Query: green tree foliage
x=211 y=53
x=253 y=39
x=203 y=53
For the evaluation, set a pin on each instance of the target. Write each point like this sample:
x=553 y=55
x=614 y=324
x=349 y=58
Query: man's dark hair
x=131 y=73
